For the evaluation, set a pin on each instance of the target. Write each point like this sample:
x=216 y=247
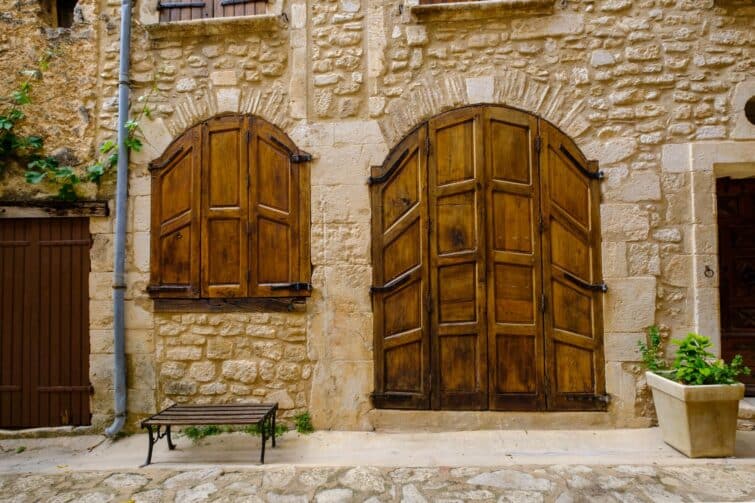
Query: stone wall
x=347 y=80
x=64 y=102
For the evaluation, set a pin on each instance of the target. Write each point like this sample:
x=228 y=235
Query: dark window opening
x=750 y=110
x=58 y=13
x=65 y=13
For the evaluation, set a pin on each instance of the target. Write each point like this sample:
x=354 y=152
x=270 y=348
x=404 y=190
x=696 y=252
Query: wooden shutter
x=515 y=342
x=457 y=260
x=225 y=208
x=184 y=10
x=175 y=219
x=571 y=276
x=279 y=215
x=400 y=275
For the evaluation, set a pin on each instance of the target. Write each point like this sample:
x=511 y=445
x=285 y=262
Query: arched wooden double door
x=486 y=257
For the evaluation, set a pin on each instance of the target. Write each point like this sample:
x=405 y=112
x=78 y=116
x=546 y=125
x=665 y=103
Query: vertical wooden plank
x=45 y=326
x=55 y=319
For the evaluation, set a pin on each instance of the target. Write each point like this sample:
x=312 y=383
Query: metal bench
x=262 y=414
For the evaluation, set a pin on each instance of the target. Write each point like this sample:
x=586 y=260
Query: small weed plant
x=197 y=433
x=303 y=423
x=693 y=364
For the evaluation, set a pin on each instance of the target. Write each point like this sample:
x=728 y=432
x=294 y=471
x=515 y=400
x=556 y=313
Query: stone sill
x=463 y=11
x=215 y=26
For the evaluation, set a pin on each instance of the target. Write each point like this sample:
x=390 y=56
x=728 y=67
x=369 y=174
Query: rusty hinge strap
x=234 y=2
x=589 y=398
x=178 y=5
x=391 y=284
x=167 y=288
x=380 y=179
x=296 y=286
x=161 y=165
x=295 y=157
x=595 y=175
x=595 y=287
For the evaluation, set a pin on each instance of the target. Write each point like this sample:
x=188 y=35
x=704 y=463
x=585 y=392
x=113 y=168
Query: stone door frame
x=703 y=162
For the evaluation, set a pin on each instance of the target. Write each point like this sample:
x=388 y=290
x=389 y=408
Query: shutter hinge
x=429 y=304
x=249 y=137
x=543 y=303
x=300 y=157
x=541 y=224
x=427 y=146
x=538 y=143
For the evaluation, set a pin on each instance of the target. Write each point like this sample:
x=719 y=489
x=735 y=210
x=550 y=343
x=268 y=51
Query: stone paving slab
x=289 y=484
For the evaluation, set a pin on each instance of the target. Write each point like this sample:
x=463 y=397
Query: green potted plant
x=696 y=397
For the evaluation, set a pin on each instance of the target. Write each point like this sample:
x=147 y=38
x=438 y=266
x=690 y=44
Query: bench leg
x=264 y=440
x=152 y=442
x=273 y=433
x=171 y=445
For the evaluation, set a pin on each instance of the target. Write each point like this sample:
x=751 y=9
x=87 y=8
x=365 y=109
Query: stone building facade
x=654 y=90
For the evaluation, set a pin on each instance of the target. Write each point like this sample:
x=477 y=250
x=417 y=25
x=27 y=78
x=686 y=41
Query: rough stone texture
x=225 y=358
x=527 y=484
x=630 y=82
x=66 y=102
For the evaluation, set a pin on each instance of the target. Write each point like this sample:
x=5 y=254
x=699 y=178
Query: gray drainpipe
x=121 y=208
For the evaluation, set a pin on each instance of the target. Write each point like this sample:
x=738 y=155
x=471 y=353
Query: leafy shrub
x=197 y=433
x=303 y=423
x=253 y=429
x=693 y=364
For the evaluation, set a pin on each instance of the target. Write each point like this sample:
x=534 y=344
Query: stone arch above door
x=486 y=266
x=437 y=93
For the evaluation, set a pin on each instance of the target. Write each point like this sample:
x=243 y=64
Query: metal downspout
x=121 y=216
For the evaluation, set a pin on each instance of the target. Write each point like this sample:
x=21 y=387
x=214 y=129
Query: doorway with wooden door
x=486 y=267
x=736 y=255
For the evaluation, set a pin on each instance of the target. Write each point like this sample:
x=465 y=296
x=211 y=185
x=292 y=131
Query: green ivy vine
x=28 y=150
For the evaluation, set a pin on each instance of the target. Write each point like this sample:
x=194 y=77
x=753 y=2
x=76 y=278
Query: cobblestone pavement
x=289 y=484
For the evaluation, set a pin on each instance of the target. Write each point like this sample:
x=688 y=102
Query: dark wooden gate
x=487 y=268
x=736 y=253
x=44 y=322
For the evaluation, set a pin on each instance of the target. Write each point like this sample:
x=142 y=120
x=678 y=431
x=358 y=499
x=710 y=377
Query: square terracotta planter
x=699 y=421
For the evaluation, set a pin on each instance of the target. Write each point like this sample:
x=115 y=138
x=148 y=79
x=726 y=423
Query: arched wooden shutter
x=571 y=276
x=279 y=214
x=457 y=260
x=514 y=284
x=175 y=219
x=400 y=275
x=225 y=208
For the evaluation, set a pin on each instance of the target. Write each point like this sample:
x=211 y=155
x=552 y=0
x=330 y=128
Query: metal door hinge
x=427 y=146
x=543 y=303
x=541 y=224
x=538 y=144
x=429 y=304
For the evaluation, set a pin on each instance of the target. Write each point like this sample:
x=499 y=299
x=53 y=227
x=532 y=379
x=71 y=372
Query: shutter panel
x=175 y=219
x=224 y=208
x=515 y=342
x=279 y=215
x=571 y=263
x=400 y=275
x=184 y=10
x=457 y=260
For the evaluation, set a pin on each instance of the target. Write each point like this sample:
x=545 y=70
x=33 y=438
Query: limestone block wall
x=347 y=79
x=64 y=103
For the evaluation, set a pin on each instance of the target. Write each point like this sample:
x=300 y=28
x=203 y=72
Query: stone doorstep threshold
x=55 y=431
x=463 y=11
x=215 y=26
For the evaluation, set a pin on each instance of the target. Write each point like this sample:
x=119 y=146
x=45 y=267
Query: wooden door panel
x=457 y=260
x=571 y=264
x=514 y=278
x=175 y=244
x=225 y=204
x=400 y=277
x=736 y=249
x=277 y=207
x=44 y=322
